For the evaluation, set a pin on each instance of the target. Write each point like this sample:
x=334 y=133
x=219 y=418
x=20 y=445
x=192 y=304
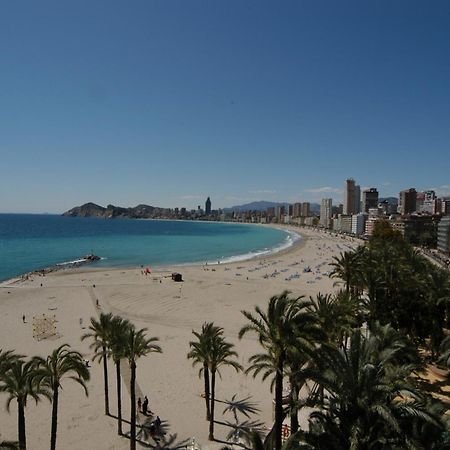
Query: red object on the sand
x=148 y=270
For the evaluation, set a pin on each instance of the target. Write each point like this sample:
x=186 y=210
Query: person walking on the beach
x=139 y=404
x=145 y=406
x=23 y=318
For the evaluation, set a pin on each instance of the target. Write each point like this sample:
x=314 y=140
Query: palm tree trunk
x=133 y=406
x=293 y=399
x=213 y=397
x=21 y=425
x=105 y=381
x=278 y=404
x=54 y=418
x=119 y=398
x=207 y=393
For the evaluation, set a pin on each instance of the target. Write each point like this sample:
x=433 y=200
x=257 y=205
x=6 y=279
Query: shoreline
x=79 y=265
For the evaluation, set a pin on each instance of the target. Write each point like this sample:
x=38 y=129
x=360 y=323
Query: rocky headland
x=111 y=211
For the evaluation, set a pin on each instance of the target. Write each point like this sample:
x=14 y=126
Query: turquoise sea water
x=30 y=242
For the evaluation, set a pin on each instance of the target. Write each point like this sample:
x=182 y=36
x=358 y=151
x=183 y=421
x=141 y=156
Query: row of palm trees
x=362 y=383
x=112 y=338
x=398 y=286
x=116 y=338
x=22 y=378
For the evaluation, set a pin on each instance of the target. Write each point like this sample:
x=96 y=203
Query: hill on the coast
x=93 y=210
x=391 y=200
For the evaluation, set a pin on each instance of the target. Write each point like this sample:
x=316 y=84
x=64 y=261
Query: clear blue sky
x=166 y=102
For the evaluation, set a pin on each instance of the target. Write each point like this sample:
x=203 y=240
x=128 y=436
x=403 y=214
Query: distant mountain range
x=263 y=205
x=391 y=200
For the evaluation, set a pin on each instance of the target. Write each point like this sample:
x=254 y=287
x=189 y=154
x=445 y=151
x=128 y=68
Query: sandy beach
x=62 y=308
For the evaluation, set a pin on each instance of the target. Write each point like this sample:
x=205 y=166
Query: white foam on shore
x=67 y=263
x=75 y=261
x=290 y=240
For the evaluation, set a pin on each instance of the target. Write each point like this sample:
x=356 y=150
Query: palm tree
x=136 y=345
x=346 y=267
x=200 y=354
x=221 y=354
x=278 y=331
x=18 y=382
x=117 y=337
x=100 y=333
x=336 y=314
x=6 y=358
x=371 y=398
x=62 y=363
x=309 y=333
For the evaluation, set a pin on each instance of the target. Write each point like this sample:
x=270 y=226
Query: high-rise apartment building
x=369 y=199
x=445 y=206
x=208 y=207
x=429 y=202
x=357 y=199
x=358 y=223
x=297 y=211
x=349 y=195
x=325 y=212
x=407 y=201
x=443 y=235
x=352 y=197
x=279 y=212
x=420 y=198
x=306 y=209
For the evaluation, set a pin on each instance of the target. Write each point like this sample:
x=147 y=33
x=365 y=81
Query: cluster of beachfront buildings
x=422 y=217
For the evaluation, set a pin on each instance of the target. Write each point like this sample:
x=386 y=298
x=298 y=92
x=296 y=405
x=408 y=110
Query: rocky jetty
x=91 y=257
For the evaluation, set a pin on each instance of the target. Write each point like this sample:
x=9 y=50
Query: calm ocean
x=29 y=242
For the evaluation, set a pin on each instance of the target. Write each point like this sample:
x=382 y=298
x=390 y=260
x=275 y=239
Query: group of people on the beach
x=143 y=406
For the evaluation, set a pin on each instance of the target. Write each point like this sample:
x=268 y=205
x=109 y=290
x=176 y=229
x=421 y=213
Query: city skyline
x=167 y=102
